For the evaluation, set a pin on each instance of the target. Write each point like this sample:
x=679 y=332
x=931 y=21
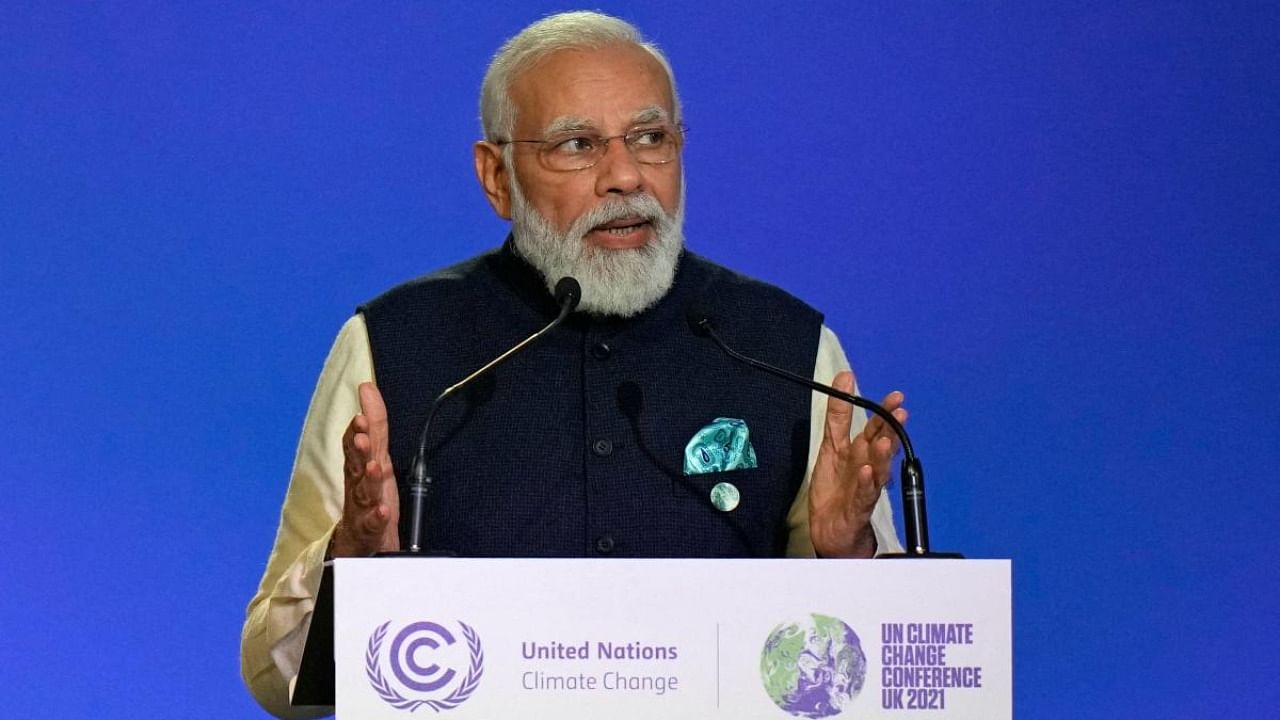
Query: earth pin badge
x=725 y=496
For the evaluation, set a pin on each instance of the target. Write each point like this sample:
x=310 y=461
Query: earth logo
x=814 y=667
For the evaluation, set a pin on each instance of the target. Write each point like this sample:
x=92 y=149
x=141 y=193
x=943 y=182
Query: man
x=622 y=433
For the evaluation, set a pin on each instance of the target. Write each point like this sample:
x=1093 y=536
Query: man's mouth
x=622 y=226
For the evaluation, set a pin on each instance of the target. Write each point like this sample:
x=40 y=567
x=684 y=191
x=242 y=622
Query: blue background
x=1053 y=225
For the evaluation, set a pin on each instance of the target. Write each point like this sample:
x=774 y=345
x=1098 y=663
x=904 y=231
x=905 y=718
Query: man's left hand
x=849 y=474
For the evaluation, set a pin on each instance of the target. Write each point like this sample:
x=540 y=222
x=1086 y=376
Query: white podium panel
x=770 y=639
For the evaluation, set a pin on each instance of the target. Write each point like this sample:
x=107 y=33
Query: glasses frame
x=678 y=131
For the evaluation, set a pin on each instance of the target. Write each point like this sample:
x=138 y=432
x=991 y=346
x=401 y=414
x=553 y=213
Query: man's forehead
x=586 y=88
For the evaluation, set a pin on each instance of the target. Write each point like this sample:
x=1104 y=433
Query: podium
x=742 y=639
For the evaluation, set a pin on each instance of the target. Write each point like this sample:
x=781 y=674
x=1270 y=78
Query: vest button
x=604 y=544
x=601 y=351
x=602 y=448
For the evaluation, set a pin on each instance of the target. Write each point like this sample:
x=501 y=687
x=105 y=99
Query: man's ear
x=492 y=172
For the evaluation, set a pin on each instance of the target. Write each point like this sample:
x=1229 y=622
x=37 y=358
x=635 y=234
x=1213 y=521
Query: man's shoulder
x=728 y=288
x=451 y=283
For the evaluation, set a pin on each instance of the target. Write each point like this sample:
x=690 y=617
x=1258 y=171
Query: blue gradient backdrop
x=1054 y=225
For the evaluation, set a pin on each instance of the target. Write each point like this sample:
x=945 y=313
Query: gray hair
x=581 y=29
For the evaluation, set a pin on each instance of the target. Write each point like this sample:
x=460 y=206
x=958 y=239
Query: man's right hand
x=371 y=503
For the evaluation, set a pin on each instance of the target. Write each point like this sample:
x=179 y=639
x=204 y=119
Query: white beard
x=621 y=283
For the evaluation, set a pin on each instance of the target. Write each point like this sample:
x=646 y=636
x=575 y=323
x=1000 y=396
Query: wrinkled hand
x=371 y=503
x=849 y=475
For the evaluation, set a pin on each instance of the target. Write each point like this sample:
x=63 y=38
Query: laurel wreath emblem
x=373 y=669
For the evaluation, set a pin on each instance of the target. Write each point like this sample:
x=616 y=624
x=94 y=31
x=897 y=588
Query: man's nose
x=617 y=172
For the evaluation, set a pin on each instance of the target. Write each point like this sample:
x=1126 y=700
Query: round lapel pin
x=725 y=496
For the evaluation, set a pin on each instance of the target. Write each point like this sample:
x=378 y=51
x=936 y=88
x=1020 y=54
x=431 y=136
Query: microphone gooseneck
x=915 y=520
x=568 y=293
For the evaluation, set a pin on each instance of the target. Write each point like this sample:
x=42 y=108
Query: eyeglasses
x=575 y=150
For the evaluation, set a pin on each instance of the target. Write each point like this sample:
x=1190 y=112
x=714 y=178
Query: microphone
x=916 y=524
x=568 y=293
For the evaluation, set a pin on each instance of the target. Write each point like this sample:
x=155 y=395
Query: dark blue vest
x=576 y=447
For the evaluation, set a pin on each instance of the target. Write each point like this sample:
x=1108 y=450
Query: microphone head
x=568 y=293
x=699 y=318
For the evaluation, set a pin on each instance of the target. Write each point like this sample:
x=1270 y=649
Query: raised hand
x=849 y=474
x=371 y=503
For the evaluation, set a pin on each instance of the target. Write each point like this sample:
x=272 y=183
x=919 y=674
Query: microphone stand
x=567 y=294
x=914 y=518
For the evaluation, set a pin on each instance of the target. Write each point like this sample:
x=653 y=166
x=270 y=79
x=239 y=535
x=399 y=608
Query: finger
x=883 y=451
x=879 y=482
x=883 y=429
x=839 y=418
x=865 y=491
x=355 y=445
x=348 y=437
x=878 y=427
x=362 y=491
x=356 y=455
x=373 y=484
x=867 y=477
x=889 y=434
x=372 y=523
x=375 y=410
x=874 y=427
x=893 y=400
x=362 y=443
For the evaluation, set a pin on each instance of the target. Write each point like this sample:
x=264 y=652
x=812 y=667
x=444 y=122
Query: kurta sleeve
x=830 y=360
x=279 y=615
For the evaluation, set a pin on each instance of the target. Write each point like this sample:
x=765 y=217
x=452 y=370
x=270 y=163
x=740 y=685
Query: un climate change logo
x=814 y=667
x=450 y=674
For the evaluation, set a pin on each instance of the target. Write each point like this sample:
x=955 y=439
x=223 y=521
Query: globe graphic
x=814 y=667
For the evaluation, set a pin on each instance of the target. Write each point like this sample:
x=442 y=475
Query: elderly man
x=623 y=433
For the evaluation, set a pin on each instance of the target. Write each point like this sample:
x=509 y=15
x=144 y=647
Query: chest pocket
x=735 y=509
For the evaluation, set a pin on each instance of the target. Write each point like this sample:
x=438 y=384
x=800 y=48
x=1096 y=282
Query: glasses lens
x=570 y=152
x=650 y=145
x=654 y=145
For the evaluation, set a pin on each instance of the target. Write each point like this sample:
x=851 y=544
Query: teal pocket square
x=723 y=445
